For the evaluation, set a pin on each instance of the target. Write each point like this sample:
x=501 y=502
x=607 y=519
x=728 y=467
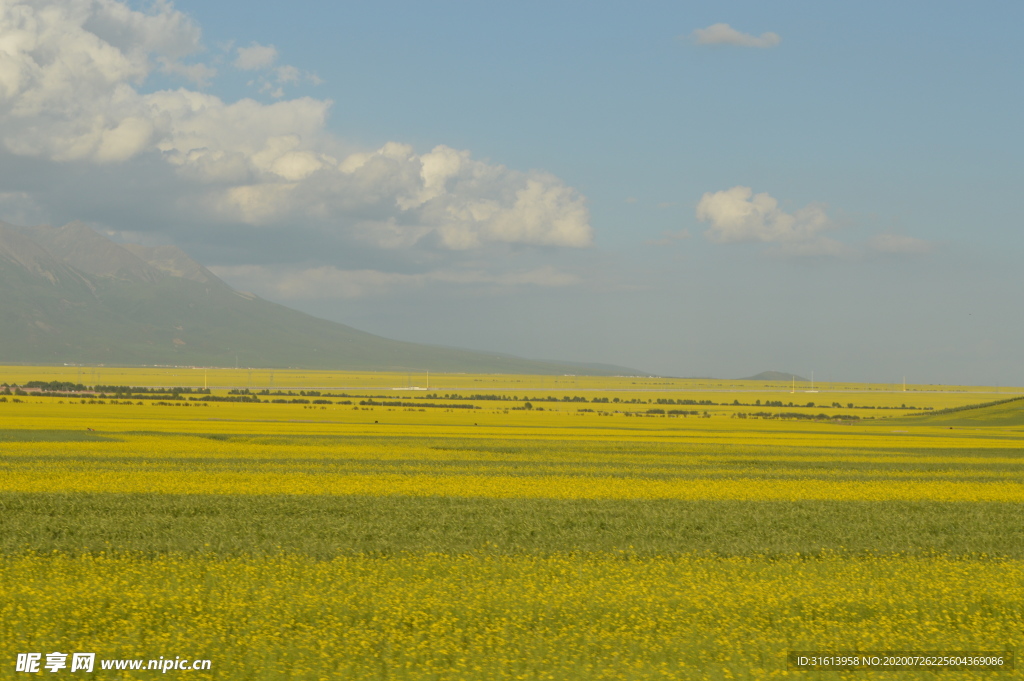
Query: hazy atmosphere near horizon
x=690 y=189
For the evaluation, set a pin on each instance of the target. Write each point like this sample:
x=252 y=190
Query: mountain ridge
x=774 y=376
x=70 y=295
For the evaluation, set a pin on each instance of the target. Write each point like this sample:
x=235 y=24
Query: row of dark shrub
x=398 y=403
x=796 y=415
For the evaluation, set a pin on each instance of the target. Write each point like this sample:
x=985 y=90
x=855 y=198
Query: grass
x=325 y=527
x=998 y=413
x=26 y=435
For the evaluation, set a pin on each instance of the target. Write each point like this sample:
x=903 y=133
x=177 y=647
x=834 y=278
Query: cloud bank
x=328 y=282
x=72 y=90
x=724 y=34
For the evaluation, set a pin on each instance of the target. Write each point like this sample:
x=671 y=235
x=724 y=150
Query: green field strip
x=324 y=527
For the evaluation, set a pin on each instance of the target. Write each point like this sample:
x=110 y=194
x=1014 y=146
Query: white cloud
x=162 y=30
x=255 y=57
x=894 y=243
x=258 y=57
x=738 y=215
x=70 y=72
x=724 y=34
x=287 y=74
x=327 y=282
x=273 y=82
x=462 y=203
x=199 y=74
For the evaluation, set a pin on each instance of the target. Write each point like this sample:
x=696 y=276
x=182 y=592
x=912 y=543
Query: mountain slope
x=774 y=376
x=70 y=295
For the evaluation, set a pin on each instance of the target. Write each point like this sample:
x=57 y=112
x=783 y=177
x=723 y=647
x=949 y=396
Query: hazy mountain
x=68 y=294
x=774 y=376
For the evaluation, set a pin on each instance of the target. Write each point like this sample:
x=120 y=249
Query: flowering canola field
x=345 y=541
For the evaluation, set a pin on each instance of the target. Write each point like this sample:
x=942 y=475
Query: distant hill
x=774 y=376
x=70 y=295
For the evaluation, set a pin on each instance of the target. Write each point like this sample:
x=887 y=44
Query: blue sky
x=685 y=188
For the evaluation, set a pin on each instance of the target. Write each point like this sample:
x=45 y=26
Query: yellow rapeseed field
x=115 y=515
x=504 y=617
